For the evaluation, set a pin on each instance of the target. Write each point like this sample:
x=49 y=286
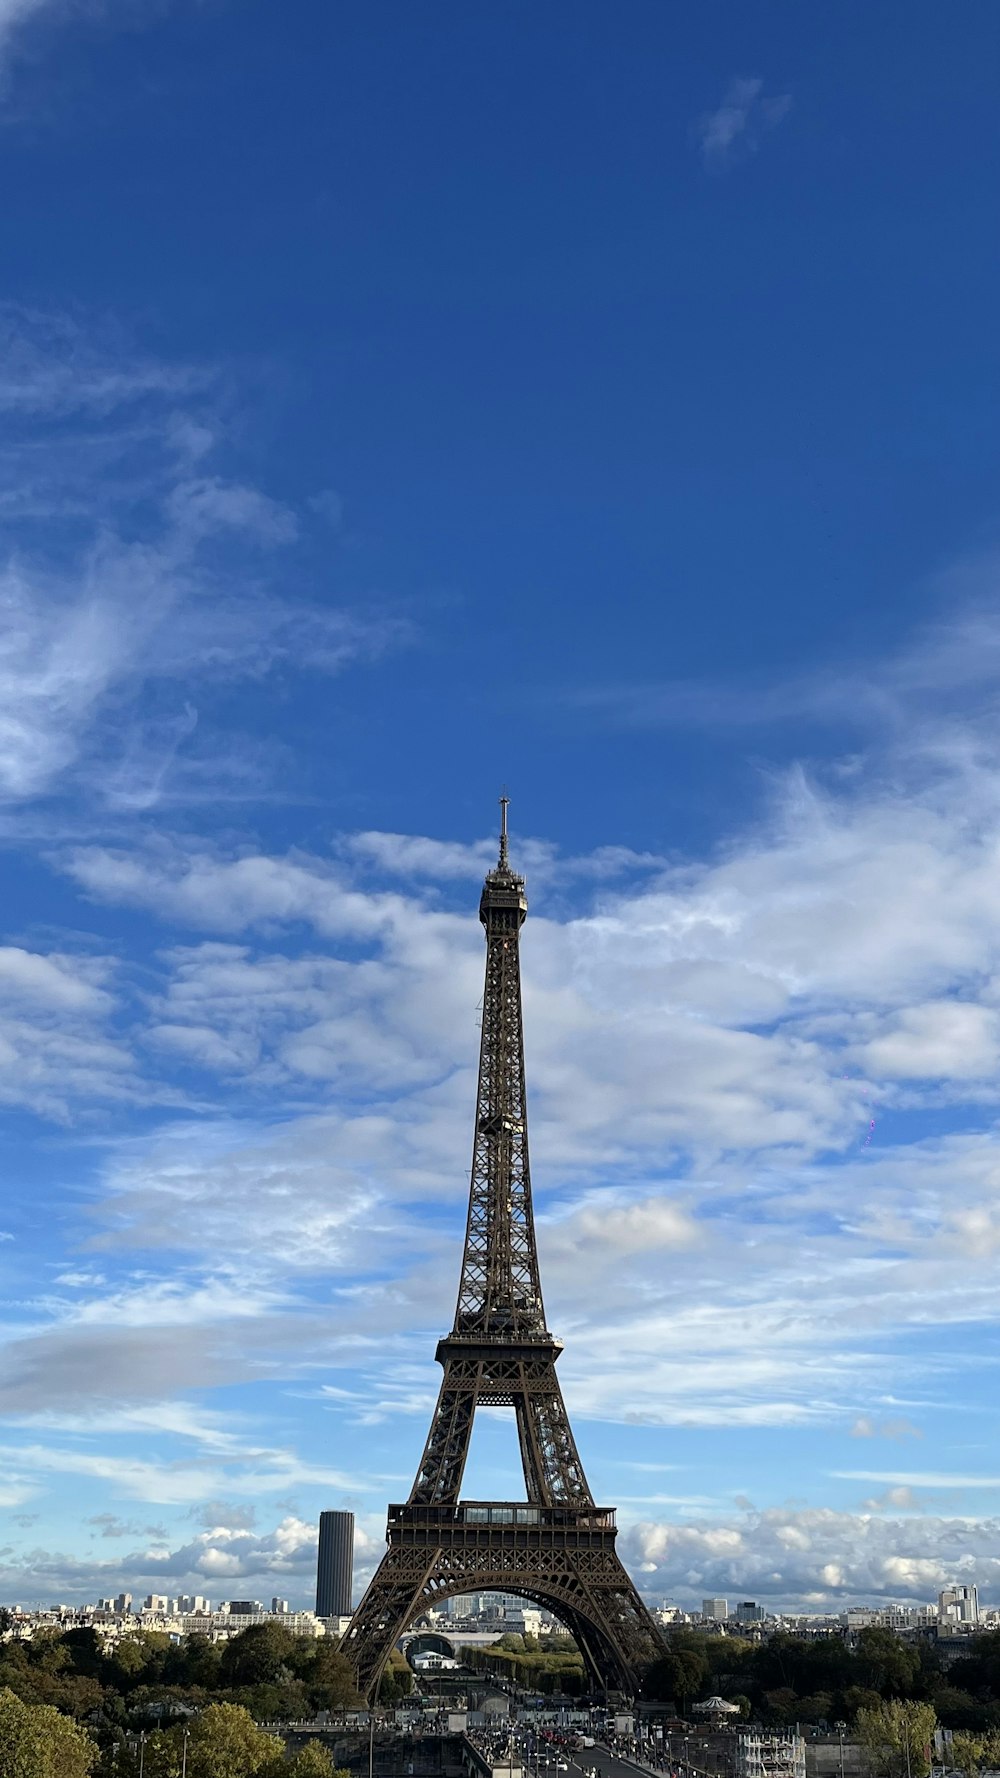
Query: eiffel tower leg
x=392 y=1601
x=604 y=1673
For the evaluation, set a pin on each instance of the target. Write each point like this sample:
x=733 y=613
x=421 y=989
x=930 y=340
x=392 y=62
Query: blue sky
x=396 y=402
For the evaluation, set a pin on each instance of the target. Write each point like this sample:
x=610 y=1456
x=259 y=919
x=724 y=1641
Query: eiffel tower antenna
x=557 y=1547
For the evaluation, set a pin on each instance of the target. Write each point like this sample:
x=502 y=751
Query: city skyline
x=473 y=400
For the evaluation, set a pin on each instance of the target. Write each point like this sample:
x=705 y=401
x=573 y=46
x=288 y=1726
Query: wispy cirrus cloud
x=934 y=694
x=17 y=17
x=52 y=366
x=125 y=593
x=737 y=125
x=15 y=13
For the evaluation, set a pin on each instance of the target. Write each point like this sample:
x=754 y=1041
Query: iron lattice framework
x=557 y=1548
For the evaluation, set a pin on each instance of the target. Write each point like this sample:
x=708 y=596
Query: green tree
x=282 y=1701
x=897 y=1738
x=966 y=1754
x=129 y=1660
x=47 y=1651
x=858 y=1698
x=156 y=1755
x=315 y=1761
x=781 y=1705
x=979 y=1670
x=330 y=1679
x=974 y=1753
x=818 y=1707
x=887 y=1664
x=36 y=1742
x=396 y=1683
x=84 y=1650
x=680 y=1673
x=259 y=1655
x=226 y=1743
x=958 y=1709
x=195 y=1661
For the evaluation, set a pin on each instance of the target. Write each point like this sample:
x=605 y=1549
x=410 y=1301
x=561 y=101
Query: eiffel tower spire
x=500 y=1352
x=558 y=1547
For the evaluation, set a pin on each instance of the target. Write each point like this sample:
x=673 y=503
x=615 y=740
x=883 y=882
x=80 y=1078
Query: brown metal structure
x=556 y=1548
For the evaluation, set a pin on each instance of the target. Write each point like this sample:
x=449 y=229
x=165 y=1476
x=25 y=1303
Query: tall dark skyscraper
x=335 y=1565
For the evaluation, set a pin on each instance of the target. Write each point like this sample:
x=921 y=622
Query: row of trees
x=270 y=1673
x=37 y=1741
x=790 y=1679
x=550 y=1666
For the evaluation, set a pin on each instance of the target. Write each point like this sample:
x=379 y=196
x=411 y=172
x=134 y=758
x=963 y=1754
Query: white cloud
x=229 y=895
x=815 y=1558
x=55 y=1048
x=117 y=587
x=739 y=122
x=920 y=1478
x=50 y=365
x=895 y=1427
x=707 y=1049
x=202 y=506
x=280 y=1559
x=928 y=703
x=944 y=1039
x=416 y=856
x=59 y=982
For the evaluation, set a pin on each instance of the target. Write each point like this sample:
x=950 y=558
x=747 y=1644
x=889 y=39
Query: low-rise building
x=760 y=1755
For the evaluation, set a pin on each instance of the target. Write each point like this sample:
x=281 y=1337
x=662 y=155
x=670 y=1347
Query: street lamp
x=840 y=1727
x=142 y=1752
x=185 y=1738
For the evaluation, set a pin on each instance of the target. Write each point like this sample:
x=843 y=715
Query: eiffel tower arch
x=556 y=1547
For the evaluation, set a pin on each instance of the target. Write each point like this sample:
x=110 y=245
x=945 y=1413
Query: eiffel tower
x=557 y=1548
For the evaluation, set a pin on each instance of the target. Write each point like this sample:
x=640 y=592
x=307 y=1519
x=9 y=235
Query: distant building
x=193 y=1602
x=463 y=1605
x=770 y=1756
x=123 y=1603
x=243 y=1607
x=335 y=1565
x=279 y=1605
x=958 y=1605
x=749 y=1612
x=155 y=1602
x=716 y=1609
x=498 y=1604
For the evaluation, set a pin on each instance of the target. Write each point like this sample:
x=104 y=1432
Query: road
x=597 y=1762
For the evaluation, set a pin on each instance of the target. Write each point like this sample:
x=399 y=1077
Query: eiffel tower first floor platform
x=560 y=1557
